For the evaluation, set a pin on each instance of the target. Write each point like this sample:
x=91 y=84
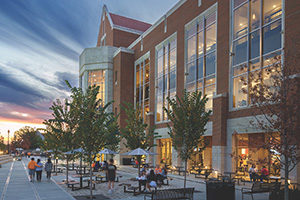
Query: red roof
x=129 y=23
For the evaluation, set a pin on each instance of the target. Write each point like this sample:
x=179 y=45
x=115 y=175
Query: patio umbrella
x=107 y=151
x=19 y=149
x=139 y=152
x=79 y=150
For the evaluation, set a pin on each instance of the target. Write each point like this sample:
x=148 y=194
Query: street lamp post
x=8 y=142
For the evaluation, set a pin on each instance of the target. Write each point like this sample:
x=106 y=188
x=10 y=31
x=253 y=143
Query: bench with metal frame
x=168 y=194
x=259 y=187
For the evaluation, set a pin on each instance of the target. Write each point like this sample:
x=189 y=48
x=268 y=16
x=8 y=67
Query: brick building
x=196 y=45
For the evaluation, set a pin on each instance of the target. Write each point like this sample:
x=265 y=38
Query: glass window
x=241 y=21
x=272 y=37
x=147 y=91
x=166 y=78
x=160 y=66
x=98 y=78
x=239 y=70
x=272 y=10
x=202 y=71
x=190 y=87
x=173 y=57
x=239 y=97
x=209 y=91
x=254 y=45
x=240 y=51
x=200 y=68
x=254 y=49
x=238 y=2
x=210 y=64
x=191 y=70
x=159 y=111
x=172 y=80
x=210 y=19
x=192 y=48
x=210 y=38
x=200 y=43
x=142 y=85
x=255 y=14
x=191 y=31
x=254 y=64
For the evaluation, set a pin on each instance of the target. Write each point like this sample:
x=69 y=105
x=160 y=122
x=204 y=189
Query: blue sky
x=40 y=42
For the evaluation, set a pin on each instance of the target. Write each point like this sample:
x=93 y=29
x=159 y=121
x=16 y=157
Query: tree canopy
x=27 y=138
x=189 y=118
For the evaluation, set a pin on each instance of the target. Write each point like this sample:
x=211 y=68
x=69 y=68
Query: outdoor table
x=177 y=168
x=229 y=173
x=81 y=180
x=276 y=178
x=79 y=170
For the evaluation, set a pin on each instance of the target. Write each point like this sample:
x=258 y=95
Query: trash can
x=220 y=189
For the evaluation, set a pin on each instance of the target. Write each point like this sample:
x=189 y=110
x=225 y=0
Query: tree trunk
x=139 y=164
x=67 y=175
x=286 y=171
x=185 y=166
x=91 y=183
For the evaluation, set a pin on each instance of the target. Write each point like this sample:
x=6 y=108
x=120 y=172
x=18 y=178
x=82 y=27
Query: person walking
x=39 y=170
x=48 y=169
x=31 y=168
x=111 y=175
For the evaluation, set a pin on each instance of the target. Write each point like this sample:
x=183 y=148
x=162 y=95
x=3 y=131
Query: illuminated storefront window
x=142 y=85
x=98 y=78
x=256 y=40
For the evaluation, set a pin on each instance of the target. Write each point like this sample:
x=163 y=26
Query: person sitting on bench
x=264 y=173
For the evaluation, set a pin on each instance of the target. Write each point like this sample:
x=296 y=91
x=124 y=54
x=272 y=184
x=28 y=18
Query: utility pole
x=8 y=142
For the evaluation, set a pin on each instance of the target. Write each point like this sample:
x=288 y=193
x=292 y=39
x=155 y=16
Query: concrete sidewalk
x=15 y=185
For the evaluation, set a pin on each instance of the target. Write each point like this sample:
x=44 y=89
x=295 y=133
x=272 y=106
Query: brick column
x=220 y=110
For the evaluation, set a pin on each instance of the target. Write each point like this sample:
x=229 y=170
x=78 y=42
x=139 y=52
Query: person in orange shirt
x=31 y=167
x=157 y=170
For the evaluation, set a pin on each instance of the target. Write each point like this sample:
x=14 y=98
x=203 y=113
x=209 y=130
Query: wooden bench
x=88 y=182
x=170 y=194
x=99 y=176
x=72 y=184
x=258 y=187
x=131 y=189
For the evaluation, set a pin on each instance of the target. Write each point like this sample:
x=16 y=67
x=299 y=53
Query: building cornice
x=123 y=49
x=162 y=19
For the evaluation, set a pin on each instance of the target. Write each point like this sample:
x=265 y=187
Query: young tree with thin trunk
x=278 y=105
x=64 y=126
x=137 y=133
x=189 y=118
x=96 y=128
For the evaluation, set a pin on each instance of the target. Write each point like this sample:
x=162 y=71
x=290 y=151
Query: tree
x=64 y=127
x=189 y=119
x=27 y=138
x=137 y=133
x=278 y=105
x=96 y=128
x=53 y=140
x=2 y=145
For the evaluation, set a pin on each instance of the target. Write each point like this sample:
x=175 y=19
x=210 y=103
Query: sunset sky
x=40 y=42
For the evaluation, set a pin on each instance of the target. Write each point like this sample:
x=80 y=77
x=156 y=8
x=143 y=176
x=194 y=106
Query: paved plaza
x=15 y=185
